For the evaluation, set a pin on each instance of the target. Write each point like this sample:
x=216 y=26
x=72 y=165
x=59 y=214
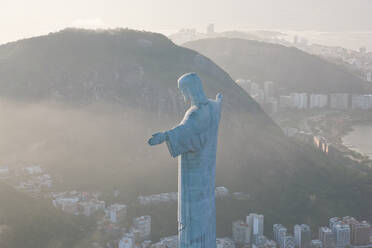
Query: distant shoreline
x=352 y=146
x=350 y=126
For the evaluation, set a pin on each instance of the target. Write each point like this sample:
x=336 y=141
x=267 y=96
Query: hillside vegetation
x=293 y=69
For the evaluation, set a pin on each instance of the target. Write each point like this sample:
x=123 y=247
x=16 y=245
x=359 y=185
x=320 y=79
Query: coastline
x=353 y=152
x=335 y=126
x=361 y=149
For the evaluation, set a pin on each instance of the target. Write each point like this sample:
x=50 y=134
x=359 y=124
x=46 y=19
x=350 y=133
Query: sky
x=26 y=18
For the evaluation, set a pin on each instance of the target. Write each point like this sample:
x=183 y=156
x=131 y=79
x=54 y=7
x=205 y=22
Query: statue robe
x=195 y=139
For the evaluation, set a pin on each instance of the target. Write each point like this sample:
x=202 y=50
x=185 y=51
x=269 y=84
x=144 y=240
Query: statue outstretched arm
x=158 y=138
x=189 y=135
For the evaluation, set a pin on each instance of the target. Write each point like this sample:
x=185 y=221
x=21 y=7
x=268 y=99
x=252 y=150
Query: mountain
x=292 y=69
x=83 y=104
x=132 y=73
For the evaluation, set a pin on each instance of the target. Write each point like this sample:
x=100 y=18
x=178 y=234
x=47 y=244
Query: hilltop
x=291 y=68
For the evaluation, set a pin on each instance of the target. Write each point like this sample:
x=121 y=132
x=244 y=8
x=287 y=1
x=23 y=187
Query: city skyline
x=21 y=19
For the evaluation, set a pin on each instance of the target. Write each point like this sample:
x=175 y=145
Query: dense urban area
x=114 y=221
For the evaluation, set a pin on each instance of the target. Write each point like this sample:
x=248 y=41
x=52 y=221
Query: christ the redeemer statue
x=194 y=140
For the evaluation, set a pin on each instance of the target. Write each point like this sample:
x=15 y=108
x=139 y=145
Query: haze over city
x=186 y=124
x=331 y=22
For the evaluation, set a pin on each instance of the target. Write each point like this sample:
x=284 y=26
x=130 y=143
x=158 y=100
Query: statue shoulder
x=219 y=98
x=198 y=116
x=192 y=110
x=193 y=113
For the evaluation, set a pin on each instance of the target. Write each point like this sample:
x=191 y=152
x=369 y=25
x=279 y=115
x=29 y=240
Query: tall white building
x=369 y=76
x=276 y=228
x=210 y=28
x=302 y=235
x=280 y=232
x=143 y=226
x=361 y=233
x=269 y=90
x=327 y=237
x=241 y=232
x=288 y=242
x=300 y=100
x=127 y=241
x=339 y=101
x=342 y=232
x=256 y=221
x=318 y=101
x=363 y=102
x=116 y=212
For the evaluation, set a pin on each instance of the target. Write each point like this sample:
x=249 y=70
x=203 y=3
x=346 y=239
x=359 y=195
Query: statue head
x=191 y=88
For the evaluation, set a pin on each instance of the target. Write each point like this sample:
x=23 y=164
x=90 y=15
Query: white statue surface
x=194 y=142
